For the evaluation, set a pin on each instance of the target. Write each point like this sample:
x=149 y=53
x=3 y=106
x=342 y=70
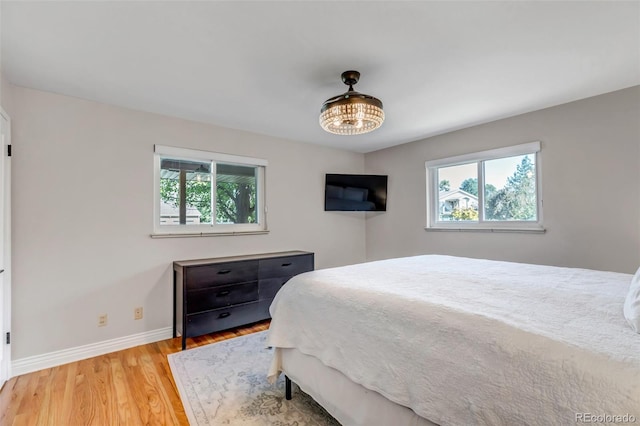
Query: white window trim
x=204 y=230
x=194 y=154
x=431 y=167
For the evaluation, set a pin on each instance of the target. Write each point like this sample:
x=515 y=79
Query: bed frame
x=349 y=403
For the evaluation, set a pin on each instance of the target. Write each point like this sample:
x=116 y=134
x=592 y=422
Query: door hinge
x=8 y=337
x=9 y=150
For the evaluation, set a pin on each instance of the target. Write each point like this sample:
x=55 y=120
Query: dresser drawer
x=221 y=273
x=222 y=319
x=218 y=297
x=285 y=266
x=270 y=286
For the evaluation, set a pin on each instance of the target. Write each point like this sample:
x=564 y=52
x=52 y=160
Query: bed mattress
x=469 y=341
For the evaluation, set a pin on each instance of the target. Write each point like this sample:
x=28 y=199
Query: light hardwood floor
x=129 y=387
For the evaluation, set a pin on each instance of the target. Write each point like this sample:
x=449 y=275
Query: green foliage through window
x=470 y=185
x=465 y=214
x=236 y=203
x=517 y=200
x=445 y=185
x=198 y=196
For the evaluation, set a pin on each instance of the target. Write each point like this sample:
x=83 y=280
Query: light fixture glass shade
x=351 y=113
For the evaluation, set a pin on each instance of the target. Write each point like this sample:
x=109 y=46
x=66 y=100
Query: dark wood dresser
x=220 y=293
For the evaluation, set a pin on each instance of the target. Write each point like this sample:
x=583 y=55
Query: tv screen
x=355 y=192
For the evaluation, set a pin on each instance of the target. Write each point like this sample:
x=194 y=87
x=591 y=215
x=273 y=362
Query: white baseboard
x=52 y=359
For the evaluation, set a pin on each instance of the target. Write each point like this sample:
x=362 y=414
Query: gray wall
x=5 y=94
x=590 y=186
x=83 y=211
x=83 y=206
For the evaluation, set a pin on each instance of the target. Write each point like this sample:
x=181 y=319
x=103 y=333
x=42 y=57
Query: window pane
x=458 y=193
x=191 y=178
x=510 y=188
x=236 y=194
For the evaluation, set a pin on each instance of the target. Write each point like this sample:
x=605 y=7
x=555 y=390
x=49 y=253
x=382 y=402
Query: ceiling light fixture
x=351 y=113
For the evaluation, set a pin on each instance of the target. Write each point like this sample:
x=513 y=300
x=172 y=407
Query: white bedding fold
x=470 y=341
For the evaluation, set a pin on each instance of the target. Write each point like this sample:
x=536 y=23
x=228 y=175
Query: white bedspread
x=468 y=341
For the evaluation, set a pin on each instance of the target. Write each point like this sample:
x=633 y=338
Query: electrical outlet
x=102 y=320
x=137 y=313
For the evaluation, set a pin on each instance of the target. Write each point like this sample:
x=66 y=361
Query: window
x=200 y=192
x=496 y=190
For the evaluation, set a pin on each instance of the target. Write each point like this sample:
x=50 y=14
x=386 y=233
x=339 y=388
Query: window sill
x=206 y=234
x=495 y=230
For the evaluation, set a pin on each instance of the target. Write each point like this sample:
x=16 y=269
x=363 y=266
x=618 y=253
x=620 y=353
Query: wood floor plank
x=30 y=401
x=123 y=410
x=63 y=416
x=14 y=388
x=78 y=411
x=46 y=387
x=130 y=387
x=162 y=414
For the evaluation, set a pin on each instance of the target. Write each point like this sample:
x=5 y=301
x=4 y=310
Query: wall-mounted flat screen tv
x=355 y=193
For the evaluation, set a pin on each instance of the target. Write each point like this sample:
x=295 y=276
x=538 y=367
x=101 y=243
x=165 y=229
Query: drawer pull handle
x=223 y=293
x=224 y=271
x=286 y=264
x=224 y=315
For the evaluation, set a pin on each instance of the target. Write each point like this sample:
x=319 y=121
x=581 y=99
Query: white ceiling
x=267 y=67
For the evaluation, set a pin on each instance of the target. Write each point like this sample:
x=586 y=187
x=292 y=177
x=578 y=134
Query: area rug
x=225 y=383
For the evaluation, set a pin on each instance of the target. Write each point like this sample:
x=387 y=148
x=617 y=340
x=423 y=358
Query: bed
x=447 y=340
